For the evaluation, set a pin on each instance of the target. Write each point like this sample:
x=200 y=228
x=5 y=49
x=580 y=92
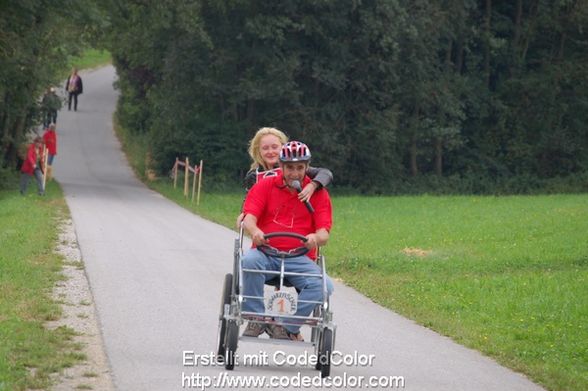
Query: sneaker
x=280 y=332
x=254 y=329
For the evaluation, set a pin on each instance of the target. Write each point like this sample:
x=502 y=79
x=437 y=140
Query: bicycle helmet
x=294 y=151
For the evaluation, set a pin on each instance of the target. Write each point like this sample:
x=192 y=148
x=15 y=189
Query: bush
x=8 y=178
x=475 y=184
x=221 y=147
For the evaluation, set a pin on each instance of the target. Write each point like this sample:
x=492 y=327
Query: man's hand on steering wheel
x=258 y=238
x=311 y=241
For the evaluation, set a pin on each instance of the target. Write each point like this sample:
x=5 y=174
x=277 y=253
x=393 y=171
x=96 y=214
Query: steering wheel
x=274 y=252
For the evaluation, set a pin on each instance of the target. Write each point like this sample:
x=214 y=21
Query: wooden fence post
x=199 y=183
x=176 y=173
x=45 y=158
x=196 y=172
x=186 y=177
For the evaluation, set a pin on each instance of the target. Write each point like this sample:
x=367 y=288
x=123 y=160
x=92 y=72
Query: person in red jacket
x=50 y=141
x=33 y=166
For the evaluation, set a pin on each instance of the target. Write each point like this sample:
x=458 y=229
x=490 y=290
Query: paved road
x=155 y=271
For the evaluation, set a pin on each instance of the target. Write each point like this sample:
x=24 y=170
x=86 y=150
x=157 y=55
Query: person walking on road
x=74 y=87
x=50 y=105
x=33 y=165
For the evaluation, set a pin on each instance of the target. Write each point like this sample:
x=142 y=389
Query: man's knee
x=330 y=286
x=316 y=285
x=254 y=259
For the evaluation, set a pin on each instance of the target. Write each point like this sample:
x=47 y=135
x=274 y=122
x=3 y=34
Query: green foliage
x=7 y=178
x=89 y=58
x=135 y=148
x=38 y=38
x=385 y=92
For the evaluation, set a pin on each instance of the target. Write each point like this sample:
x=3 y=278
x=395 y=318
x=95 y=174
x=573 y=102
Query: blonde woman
x=264 y=149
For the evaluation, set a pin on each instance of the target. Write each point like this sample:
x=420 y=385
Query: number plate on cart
x=282 y=303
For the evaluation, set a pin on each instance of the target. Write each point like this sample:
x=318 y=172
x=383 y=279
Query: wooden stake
x=45 y=157
x=186 y=177
x=199 y=183
x=194 y=183
x=176 y=173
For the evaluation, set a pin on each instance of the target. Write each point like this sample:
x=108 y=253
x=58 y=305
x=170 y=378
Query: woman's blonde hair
x=254 y=151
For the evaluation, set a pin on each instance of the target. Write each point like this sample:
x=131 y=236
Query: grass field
x=507 y=276
x=91 y=58
x=29 y=269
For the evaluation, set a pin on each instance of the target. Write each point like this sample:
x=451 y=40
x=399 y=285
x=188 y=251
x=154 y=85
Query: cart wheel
x=231 y=344
x=315 y=337
x=222 y=322
x=318 y=349
x=314 y=334
x=325 y=352
x=236 y=260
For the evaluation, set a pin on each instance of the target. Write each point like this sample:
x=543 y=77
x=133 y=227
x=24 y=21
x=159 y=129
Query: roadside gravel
x=79 y=314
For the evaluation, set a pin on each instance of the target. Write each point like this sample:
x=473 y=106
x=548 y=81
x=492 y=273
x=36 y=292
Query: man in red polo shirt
x=272 y=205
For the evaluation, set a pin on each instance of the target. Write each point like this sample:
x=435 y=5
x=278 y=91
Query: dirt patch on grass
x=79 y=314
x=416 y=252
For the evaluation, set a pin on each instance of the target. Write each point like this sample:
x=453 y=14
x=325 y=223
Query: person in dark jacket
x=74 y=87
x=50 y=105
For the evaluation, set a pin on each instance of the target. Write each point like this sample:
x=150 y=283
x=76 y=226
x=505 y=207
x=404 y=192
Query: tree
x=383 y=91
x=36 y=39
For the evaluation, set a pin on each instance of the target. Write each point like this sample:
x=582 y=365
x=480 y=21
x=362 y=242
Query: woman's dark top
x=322 y=176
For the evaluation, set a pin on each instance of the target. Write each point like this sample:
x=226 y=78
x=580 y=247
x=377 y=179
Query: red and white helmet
x=294 y=151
